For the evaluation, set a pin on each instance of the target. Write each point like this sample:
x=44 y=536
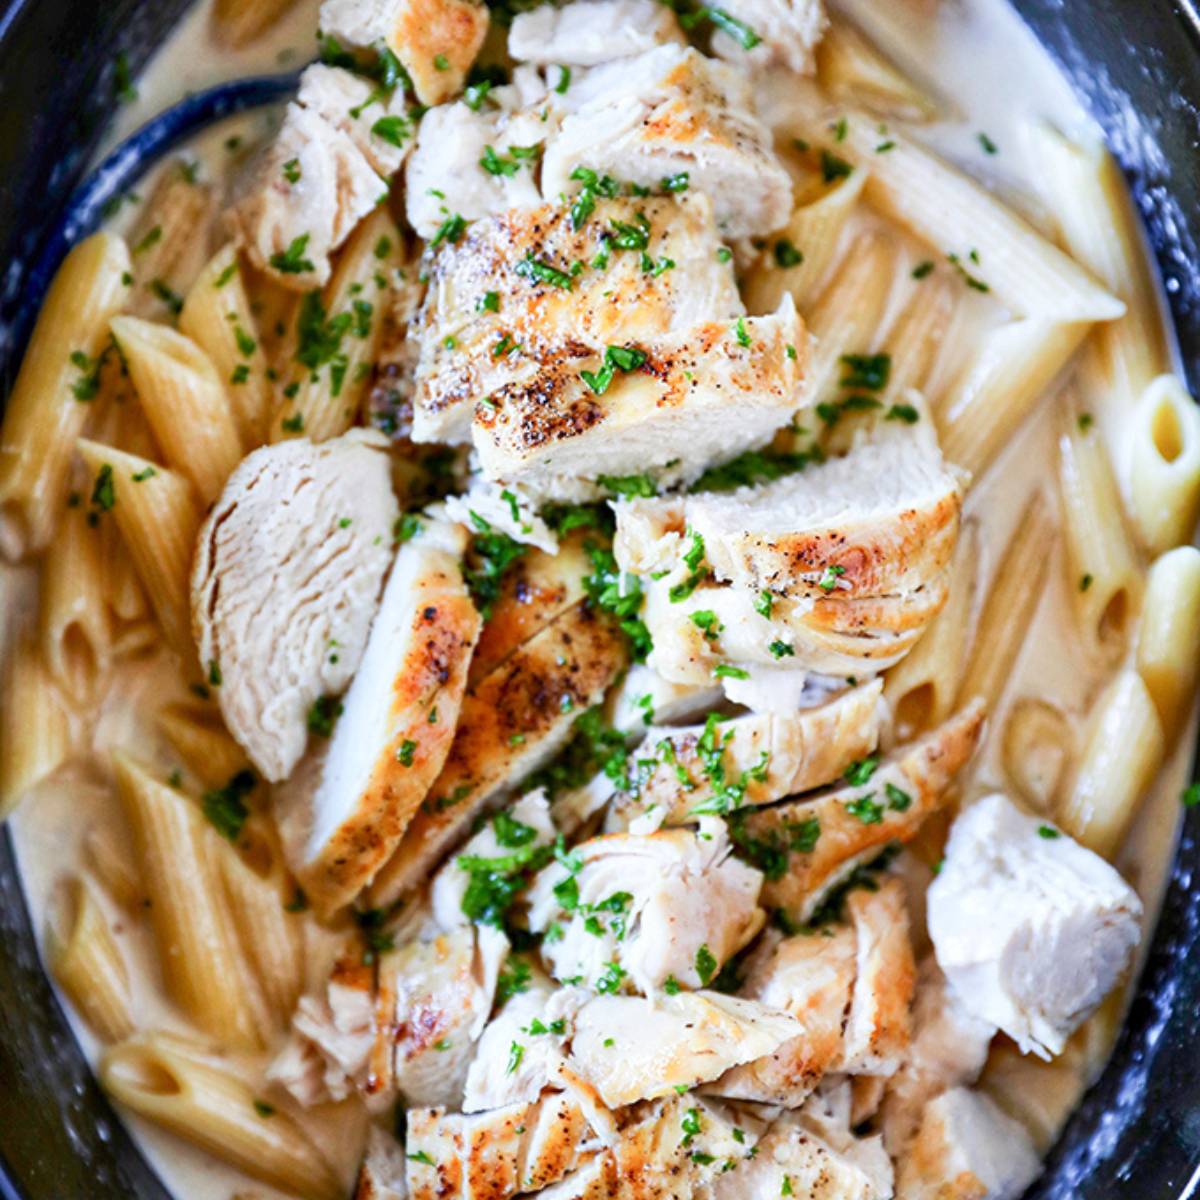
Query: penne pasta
x=184 y=400
x=194 y=929
x=74 y=622
x=1037 y=751
x=216 y=316
x=854 y=71
x=1122 y=750
x=1164 y=481
x=1168 y=634
x=109 y=859
x=156 y=512
x=199 y=735
x=1013 y=593
x=48 y=406
x=219 y=1112
x=35 y=735
x=84 y=959
x=1104 y=576
x=239 y=22
x=326 y=387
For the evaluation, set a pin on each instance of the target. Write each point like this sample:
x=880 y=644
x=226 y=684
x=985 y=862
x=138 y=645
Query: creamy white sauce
x=971 y=55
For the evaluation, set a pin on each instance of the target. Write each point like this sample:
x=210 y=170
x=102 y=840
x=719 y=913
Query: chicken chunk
x=309 y=527
x=436 y=41
x=787 y=32
x=590 y=32
x=669 y=906
x=312 y=187
x=967 y=1149
x=488 y=321
x=385 y=751
x=377 y=122
x=644 y=698
x=384 y=1169
x=752 y=760
x=668 y=113
x=511 y=723
x=805 y=847
x=1031 y=929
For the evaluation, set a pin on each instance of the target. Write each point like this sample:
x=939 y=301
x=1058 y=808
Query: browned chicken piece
x=788 y=33
x=591 y=32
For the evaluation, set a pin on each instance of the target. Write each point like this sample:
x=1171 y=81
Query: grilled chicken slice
x=311 y=188
x=811 y=979
x=590 y=32
x=673 y=905
x=471 y=164
x=752 y=760
x=397 y=723
x=443 y=991
x=807 y=846
x=672 y=112
x=511 y=723
x=505 y=509
x=644 y=698
x=436 y=41
x=285 y=585
x=1031 y=929
x=788 y=33
x=966 y=1149
x=480 y=308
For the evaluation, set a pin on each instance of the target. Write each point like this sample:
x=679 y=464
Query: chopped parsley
x=450 y=230
x=1048 y=832
x=537 y=271
x=786 y=254
x=226 y=808
x=323 y=714
x=616 y=358
x=706 y=964
x=922 y=269
x=291 y=170
x=492 y=553
x=292 y=261
x=833 y=167
x=406 y=751
x=395 y=130
x=628 y=485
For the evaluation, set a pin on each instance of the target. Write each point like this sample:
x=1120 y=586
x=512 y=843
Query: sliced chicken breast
x=436 y=41
x=469 y=1157
x=787 y=31
x=285 y=584
x=967 y=1149
x=398 y=719
x=590 y=32
x=644 y=698
x=807 y=846
x=1031 y=929
x=672 y=112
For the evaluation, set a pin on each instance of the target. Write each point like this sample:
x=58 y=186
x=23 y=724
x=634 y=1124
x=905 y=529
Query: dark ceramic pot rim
x=1135 y=64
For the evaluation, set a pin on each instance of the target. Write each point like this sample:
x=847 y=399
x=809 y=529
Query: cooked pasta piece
x=193 y=926
x=814 y=233
x=76 y=631
x=48 y=405
x=217 y=317
x=922 y=688
x=1037 y=750
x=327 y=384
x=1015 y=588
x=203 y=742
x=1164 y=484
x=86 y=963
x=158 y=517
x=239 y=22
x=1122 y=750
x=109 y=858
x=35 y=733
x=1168 y=636
x=184 y=400
x=1104 y=575
x=218 y=1111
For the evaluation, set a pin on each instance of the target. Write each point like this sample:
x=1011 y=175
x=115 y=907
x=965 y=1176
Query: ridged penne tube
x=184 y=400
x=1013 y=593
x=170 y=240
x=1121 y=753
x=1104 y=576
x=1085 y=191
x=84 y=960
x=1037 y=749
x=1164 y=480
x=853 y=71
x=915 y=340
x=35 y=734
x=995 y=247
x=109 y=859
x=1168 y=634
x=218 y=1112
x=217 y=317
x=194 y=929
x=922 y=687
x=157 y=514
x=204 y=744
x=999 y=387
x=75 y=628
x=47 y=407
x=815 y=230
x=845 y=318
x=237 y=22
x=274 y=308
x=326 y=393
